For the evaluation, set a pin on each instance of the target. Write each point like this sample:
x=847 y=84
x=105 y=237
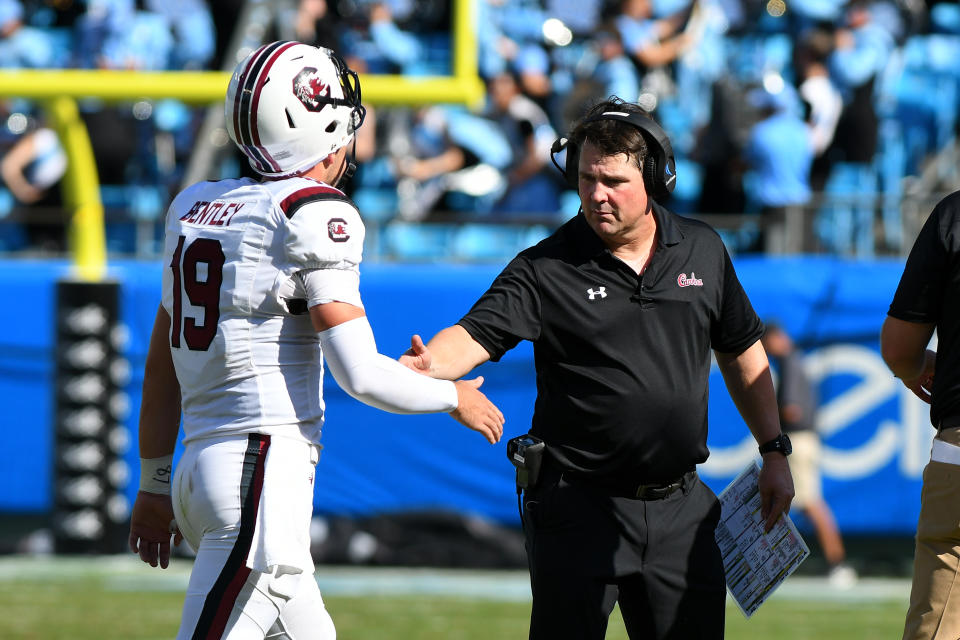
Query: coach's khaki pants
x=934 y=612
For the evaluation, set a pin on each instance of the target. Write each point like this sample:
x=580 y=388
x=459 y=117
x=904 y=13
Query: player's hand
x=476 y=412
x=776 y=488
x=151 y=525
x=417 y=357
x=922 y=384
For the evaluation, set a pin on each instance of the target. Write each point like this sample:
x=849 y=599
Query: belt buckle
x=656 y=491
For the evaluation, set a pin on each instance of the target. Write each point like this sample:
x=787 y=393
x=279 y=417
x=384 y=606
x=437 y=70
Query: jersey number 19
x=202 y=289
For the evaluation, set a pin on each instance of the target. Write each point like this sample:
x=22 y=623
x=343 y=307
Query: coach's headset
x=659 y=167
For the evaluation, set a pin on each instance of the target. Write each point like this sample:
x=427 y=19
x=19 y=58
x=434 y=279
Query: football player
x=260 y=285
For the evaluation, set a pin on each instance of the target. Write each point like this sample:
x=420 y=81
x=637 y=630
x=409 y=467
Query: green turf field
x=114 y=599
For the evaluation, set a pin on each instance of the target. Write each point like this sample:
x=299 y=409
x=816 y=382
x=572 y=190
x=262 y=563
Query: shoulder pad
x=324 y=229
x=309 y=194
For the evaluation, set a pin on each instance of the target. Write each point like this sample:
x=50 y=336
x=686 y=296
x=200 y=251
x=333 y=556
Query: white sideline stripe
x=127 y=573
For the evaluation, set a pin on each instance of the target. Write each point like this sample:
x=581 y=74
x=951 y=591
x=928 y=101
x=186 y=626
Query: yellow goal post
x=57 y=91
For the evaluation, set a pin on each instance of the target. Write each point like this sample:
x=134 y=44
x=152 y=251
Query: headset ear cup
x=651 y=177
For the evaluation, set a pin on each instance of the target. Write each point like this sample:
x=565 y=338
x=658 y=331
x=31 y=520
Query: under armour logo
x=602 y=292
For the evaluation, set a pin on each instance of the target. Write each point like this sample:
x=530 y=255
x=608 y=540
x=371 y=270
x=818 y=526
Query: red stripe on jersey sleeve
x=292 y=202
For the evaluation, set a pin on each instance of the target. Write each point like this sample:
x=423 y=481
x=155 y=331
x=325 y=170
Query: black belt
x=635 y=490
x=950 y=422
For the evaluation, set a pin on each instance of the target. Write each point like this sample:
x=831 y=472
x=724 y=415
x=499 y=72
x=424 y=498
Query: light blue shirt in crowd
x=780 y=153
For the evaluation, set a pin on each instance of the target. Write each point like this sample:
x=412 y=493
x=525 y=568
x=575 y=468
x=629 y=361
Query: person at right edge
x=623 y=304
x=928 y=298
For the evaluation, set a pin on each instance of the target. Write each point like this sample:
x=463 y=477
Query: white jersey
x=246 y=354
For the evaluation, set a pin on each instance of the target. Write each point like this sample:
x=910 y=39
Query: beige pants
x=805 y=468
x=934 y=612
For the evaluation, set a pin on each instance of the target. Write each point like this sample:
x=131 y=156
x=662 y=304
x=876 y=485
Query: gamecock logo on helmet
x=309 y=88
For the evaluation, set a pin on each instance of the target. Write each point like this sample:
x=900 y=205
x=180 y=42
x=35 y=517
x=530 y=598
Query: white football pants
x=244 y=505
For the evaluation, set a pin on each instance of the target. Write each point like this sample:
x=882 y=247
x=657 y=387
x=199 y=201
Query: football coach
x=624 y=304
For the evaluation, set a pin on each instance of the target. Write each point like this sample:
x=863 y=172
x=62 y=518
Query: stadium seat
x=13 y=237
x=436 y=59
x=569 y=203
x=486 y=242
x=925 y=105
x=6 y=202
x=417 y=241
x=891 y=163
x=12 y=234
x=376 y=205
x=121 y=237
x=946 y=18
x=675 y=118
x=689 y=182
x=931 y=81
x=129 y=209
x=534 y=234
x=141 y=202
x=845 y=221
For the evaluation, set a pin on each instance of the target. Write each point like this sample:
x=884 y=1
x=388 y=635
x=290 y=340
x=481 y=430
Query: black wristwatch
x=781 y=443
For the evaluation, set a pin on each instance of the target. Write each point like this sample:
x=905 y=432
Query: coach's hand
x=776 y=488
x=475 y=411
x=417 y=357
x=151 y=525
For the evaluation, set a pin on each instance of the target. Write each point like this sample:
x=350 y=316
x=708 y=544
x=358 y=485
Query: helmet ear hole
x=290 y=119
x=331 y=127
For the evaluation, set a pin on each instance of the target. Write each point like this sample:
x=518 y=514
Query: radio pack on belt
x=526 y=454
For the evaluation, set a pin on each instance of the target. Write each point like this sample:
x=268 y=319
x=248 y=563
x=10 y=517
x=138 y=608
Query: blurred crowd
x=771 y=105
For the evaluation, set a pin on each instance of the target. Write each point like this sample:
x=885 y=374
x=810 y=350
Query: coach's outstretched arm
x=151 y=522
x=451 y=354
x=351 y=354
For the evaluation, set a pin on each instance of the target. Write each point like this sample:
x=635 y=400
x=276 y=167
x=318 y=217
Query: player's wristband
x=155 y=474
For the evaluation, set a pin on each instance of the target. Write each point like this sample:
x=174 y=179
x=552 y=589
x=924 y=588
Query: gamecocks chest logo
x=310 y=89
x=691 y=281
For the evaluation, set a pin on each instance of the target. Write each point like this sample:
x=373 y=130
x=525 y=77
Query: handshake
x=459 y=354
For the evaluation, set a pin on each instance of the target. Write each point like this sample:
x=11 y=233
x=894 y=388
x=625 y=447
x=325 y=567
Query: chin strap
x=347 y=173
x=350 y=167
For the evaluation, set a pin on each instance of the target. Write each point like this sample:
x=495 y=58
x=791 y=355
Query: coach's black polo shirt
x=622 y=360
x=929 y=291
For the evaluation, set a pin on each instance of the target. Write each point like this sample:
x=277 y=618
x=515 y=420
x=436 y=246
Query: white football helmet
x=289 y=105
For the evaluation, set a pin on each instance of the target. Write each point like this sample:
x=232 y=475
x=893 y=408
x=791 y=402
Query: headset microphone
x=558 y=145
